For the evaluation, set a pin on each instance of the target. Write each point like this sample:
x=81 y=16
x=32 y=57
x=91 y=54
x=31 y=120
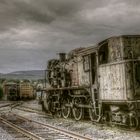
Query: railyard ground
x=96 y=131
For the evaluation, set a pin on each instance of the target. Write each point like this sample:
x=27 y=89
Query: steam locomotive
x=101 y=80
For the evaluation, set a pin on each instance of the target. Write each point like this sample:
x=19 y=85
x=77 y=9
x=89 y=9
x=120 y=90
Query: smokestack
x=62 y=57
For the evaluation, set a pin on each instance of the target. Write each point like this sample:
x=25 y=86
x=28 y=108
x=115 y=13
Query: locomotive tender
x=102 y=80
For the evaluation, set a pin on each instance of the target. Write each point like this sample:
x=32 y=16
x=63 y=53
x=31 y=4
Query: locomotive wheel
x=92 y=114
x=66 y=110
x=78 y=112
x=134 y=123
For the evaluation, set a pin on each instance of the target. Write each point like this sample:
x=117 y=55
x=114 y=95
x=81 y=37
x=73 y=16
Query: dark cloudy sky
x=33 y=31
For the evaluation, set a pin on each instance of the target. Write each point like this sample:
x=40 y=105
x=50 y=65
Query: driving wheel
x=66 y=110
x=78 y=112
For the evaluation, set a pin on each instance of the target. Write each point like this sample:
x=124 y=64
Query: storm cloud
x=33 y=31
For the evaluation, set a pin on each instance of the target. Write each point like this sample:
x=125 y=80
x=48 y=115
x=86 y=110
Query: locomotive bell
x=62 y=57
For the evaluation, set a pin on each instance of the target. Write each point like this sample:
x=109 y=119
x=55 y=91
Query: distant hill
x=32 y=74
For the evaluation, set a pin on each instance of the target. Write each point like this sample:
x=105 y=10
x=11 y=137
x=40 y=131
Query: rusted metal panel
x=84 y=76
x=129 y=80
x=112 y=82
x=131 y=47
x=137 y=78
x=72 y=68
x=114 y=49
x=121 y=50
x=123 y=47
x=74 y=74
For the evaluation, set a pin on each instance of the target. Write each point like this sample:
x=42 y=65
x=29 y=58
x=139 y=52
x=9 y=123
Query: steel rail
x=6 y=105
x=56 y=129
x=21 y=130
x=9 y=104
x=30 y=110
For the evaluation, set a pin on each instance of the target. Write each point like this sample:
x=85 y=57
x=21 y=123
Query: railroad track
x=27 y=109
x=31 y=129
x=19 y=106
x=8 y=106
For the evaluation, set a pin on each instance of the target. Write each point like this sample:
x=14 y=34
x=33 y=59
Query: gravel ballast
x=96 y=131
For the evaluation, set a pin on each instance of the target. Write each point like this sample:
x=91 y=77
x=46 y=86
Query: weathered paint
x=123 y=47
x=114 y=49
x=112 y=82
x=72 y=67
x=117 y=76
x=84 y=79
x=131 y=47
x=137 y=78
x=118 y=81
x=129 y=80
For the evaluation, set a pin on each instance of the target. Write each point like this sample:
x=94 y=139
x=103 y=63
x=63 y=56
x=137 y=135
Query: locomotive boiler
x=101 y=81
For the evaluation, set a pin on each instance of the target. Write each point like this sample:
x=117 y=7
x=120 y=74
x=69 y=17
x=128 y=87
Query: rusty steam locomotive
x=101 y=80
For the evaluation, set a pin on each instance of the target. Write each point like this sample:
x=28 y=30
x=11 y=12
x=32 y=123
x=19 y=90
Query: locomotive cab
x=119 y=84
